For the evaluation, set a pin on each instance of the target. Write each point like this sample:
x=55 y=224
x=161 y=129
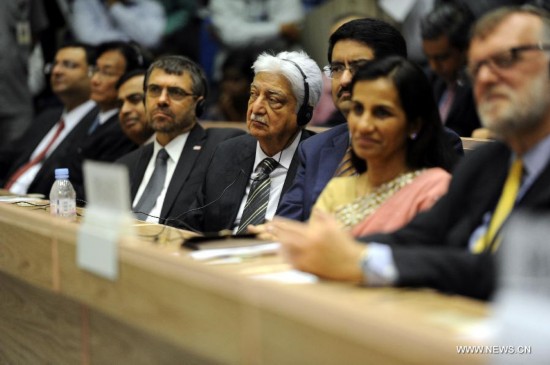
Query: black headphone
x=197 y=70
x=201 y=104
x=306 y=111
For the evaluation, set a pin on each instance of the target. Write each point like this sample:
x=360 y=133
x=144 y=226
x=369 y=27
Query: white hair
x=286 y=64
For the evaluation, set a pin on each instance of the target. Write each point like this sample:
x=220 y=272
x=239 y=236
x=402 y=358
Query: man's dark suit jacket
x=319 y=157
x=107 y=143
x=219 y=199
x=25 y=146
x=462 y=118
x=189 y=173
x=432 y=250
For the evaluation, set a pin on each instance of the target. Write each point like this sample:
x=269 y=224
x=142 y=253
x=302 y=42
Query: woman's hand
x=321 y=247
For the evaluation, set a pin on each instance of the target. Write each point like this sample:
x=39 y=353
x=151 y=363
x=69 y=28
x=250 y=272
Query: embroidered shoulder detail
x=352 y=213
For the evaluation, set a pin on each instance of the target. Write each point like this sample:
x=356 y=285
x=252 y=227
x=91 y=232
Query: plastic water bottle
x=63 y=196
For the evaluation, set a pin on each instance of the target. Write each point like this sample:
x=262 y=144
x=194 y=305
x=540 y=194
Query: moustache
x=258 y=118
x=165 y=111
x=344 y=90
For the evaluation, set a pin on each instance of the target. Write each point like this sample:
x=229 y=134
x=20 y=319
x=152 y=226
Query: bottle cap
x=61 y=173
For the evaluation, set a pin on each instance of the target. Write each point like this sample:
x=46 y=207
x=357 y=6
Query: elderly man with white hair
x=248 y=174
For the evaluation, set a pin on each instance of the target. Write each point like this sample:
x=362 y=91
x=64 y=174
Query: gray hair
x=177 y=65
x=487 y=23
x=286 y=64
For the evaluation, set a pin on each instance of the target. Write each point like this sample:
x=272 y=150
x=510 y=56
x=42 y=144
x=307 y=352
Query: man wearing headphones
x=166 y=174
x=104 y=139
x=352 y=45
x=248 y=175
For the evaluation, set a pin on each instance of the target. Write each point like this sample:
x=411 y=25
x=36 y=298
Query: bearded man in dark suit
x=175 y=89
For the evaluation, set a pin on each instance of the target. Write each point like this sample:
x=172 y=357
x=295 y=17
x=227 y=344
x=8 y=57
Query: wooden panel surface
x=37 y=326
x=165 y=306
x=26 y=246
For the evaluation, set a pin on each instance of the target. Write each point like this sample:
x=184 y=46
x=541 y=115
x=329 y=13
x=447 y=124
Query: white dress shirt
x=277 y=176
x=174 y=149
x=71 y=119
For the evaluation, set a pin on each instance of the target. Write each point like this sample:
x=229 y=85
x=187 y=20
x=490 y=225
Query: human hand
x=320 y=247
x=261 y=232
x=482 y=133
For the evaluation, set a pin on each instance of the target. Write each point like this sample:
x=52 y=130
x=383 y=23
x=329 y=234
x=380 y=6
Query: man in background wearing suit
x=445 y=35
x=131 y=99
x=451 y=246
x=105 y=140
x=165 y=175
x=350 y=46
x=28 y=165
x=248 y=174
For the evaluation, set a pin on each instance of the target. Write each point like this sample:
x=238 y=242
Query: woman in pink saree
x=398 y=148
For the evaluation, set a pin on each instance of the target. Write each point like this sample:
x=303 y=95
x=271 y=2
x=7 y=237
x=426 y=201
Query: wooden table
x=165 y=308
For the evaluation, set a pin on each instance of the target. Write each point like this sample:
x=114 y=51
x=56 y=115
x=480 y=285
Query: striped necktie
x=154 y=187
x=346 y=168
x=258 y=197
x=504 y=208
x=38 y=158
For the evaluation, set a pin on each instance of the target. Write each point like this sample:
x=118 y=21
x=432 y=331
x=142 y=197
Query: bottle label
x=65 y=208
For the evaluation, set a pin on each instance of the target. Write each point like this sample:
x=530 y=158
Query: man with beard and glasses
x=451 y=246
x=165 y=175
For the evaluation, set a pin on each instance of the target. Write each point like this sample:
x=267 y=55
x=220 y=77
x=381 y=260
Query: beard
x=519 y=112
x=177 y=124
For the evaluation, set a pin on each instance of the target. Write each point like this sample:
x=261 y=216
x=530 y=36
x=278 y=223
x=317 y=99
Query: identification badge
x=24 y=33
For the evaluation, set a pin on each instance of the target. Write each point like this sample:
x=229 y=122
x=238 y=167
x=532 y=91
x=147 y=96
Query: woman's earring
x=413 y=135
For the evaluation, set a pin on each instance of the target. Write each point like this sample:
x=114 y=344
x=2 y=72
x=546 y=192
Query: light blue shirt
x=378 y=265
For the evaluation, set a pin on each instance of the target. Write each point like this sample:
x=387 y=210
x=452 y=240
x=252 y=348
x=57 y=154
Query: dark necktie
x=153 y=188
x=39 y=157
x=94 y=125
x=346 y=168
x=258 y=197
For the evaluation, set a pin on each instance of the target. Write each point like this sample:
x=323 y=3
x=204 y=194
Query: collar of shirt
x=284 y=157
x=72 y=118
x=104 y=116
x=174 y=147
x=534 y=162
x=277 y=176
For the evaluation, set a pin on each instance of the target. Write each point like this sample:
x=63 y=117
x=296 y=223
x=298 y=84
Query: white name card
x=107 y=218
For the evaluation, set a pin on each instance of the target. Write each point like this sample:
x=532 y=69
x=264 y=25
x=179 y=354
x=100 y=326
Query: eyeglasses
x=106 y=73
x=336 y=70
x=66 y=64
x=174 y=93
x=504 y=60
